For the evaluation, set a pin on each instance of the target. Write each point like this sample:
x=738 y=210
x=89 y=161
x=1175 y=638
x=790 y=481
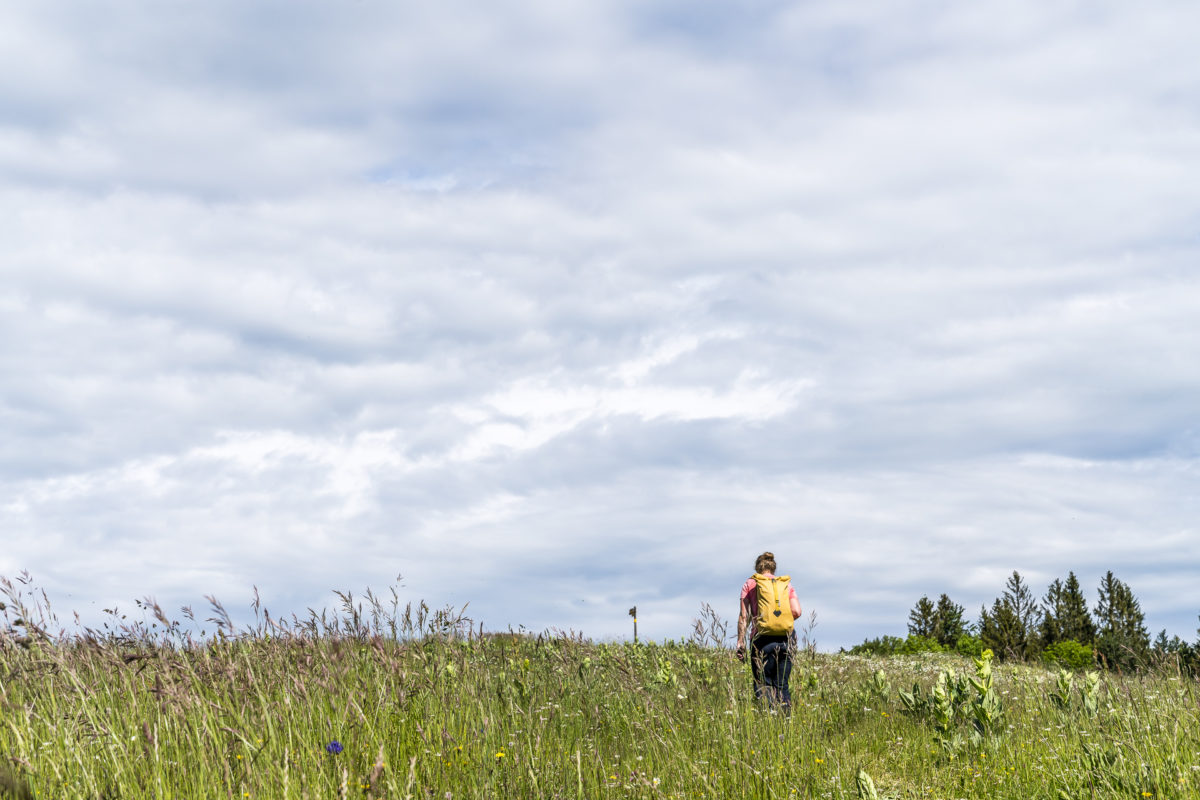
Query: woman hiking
x=769 y=604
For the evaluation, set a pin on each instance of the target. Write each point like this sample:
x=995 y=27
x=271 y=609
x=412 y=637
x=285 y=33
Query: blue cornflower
x=334 y=747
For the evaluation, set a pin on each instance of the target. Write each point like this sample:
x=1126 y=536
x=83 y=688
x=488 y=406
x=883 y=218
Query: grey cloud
x=599 y=301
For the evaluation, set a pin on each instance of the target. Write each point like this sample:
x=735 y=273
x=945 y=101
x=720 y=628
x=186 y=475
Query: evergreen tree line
x=1058 y=628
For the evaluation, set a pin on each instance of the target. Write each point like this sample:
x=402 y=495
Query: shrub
x=920 y=644
x=881 y=646
x=1070 y=654
x=968 y=645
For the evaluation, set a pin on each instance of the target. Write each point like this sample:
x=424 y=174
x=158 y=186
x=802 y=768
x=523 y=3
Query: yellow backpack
x=774 y=609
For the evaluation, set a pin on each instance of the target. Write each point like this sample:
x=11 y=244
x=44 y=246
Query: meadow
x=384 y=701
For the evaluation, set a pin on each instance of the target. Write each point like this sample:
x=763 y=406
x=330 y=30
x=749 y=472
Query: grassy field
x=391 y=703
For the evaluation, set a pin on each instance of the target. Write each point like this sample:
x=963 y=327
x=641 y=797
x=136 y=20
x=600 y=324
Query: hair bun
x=768 y=554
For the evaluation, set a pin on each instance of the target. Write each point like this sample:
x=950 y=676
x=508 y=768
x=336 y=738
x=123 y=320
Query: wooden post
x=633 y=613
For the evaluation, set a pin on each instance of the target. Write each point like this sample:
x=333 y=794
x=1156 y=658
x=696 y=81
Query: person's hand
x=741 y=652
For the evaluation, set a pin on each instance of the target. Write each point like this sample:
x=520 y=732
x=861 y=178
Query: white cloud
x=598 y=295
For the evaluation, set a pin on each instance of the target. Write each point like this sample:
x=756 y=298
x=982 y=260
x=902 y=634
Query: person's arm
x=795 y=603
x=743 y=618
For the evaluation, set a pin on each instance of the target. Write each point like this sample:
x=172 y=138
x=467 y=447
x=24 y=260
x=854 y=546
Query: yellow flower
x=820 y=761
x=500 y=754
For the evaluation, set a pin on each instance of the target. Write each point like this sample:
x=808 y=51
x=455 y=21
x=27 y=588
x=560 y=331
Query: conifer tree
x=1065 y=614
x=1077 y=623
x=921 y=620
x=1011 y=626
x=948 y=621
x=999 y=630
x=1050 y=631
x=1025 y=610
x=1122 y=638
x=1167 y=644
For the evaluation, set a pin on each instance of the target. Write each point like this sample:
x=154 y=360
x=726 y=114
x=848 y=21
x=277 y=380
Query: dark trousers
x=771 y=663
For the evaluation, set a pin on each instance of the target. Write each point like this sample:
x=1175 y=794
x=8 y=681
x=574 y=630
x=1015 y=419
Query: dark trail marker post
x=633 y=613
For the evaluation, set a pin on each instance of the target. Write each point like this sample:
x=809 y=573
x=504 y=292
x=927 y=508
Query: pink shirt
x=749 y=595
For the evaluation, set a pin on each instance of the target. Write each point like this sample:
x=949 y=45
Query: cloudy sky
x=557 y=308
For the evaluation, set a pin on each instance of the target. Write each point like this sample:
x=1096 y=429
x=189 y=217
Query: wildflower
x=334 y=747
x=499 y=755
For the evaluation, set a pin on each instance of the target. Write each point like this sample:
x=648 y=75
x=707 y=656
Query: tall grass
x=423 y=706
